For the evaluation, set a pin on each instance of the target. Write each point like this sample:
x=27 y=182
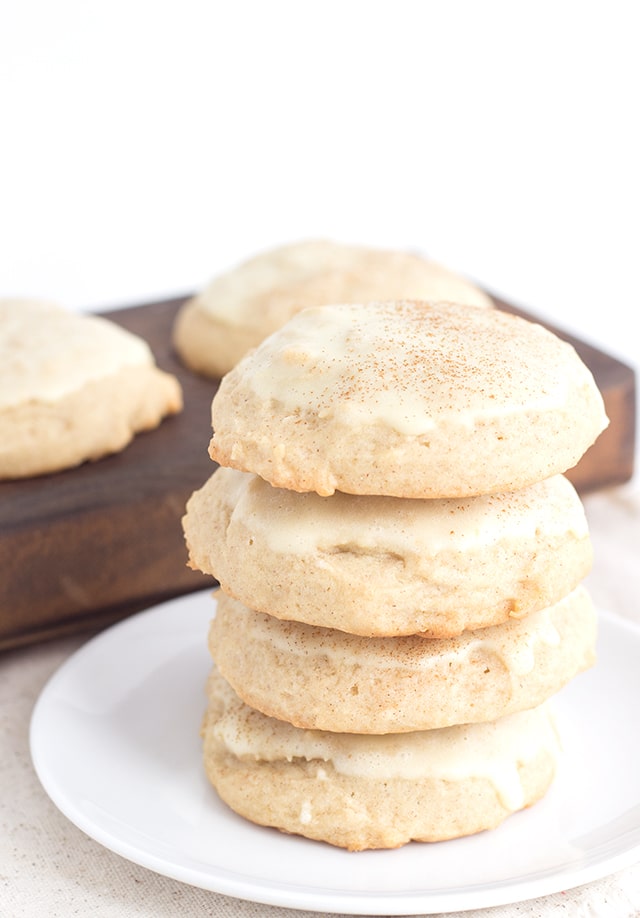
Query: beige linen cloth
x=50 y=869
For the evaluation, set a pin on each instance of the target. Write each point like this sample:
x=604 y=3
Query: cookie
x=360 y=792
x=241 y=307
x=323 y=679
x=73 y=387
x=388 y=565
x=407 y=399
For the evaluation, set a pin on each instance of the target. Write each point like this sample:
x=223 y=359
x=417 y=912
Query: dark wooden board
x=85 y=547
x=611 y=458
x=88 y=546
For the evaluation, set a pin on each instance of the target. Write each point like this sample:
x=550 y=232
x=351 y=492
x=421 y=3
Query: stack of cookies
x=401 y=561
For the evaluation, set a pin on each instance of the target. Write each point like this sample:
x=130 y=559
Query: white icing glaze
x=47 y=352
x=305 y=813
x=489 y=750
x=514 y=643
x=302 y=524
x=411 y=367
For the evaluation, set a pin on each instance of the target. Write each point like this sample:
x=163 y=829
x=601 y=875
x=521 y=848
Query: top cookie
x=73 y=387
x=241 y=307
x=407 y=399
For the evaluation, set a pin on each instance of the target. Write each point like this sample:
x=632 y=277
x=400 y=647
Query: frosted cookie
x=408 y=400
x=214 y=329
x=319 y=678
x=389 y=565
x=361 y=792
x=73 y=387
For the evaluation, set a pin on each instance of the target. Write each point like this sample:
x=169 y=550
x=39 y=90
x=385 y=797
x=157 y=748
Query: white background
x=146 y=146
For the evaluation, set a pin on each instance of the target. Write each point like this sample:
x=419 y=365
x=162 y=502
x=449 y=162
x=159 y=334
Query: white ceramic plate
x=115 y=743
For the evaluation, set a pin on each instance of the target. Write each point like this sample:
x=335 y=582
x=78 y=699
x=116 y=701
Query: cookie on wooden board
x=73 y=387
x=241 y=307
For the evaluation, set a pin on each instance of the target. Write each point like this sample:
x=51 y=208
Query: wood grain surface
x=85 y=547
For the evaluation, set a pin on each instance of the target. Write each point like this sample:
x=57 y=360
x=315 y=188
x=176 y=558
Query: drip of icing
x=301 y=524
x=516 y=644
x=487 y=750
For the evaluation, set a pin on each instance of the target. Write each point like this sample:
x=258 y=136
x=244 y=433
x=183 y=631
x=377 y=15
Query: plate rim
x=244 y=885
